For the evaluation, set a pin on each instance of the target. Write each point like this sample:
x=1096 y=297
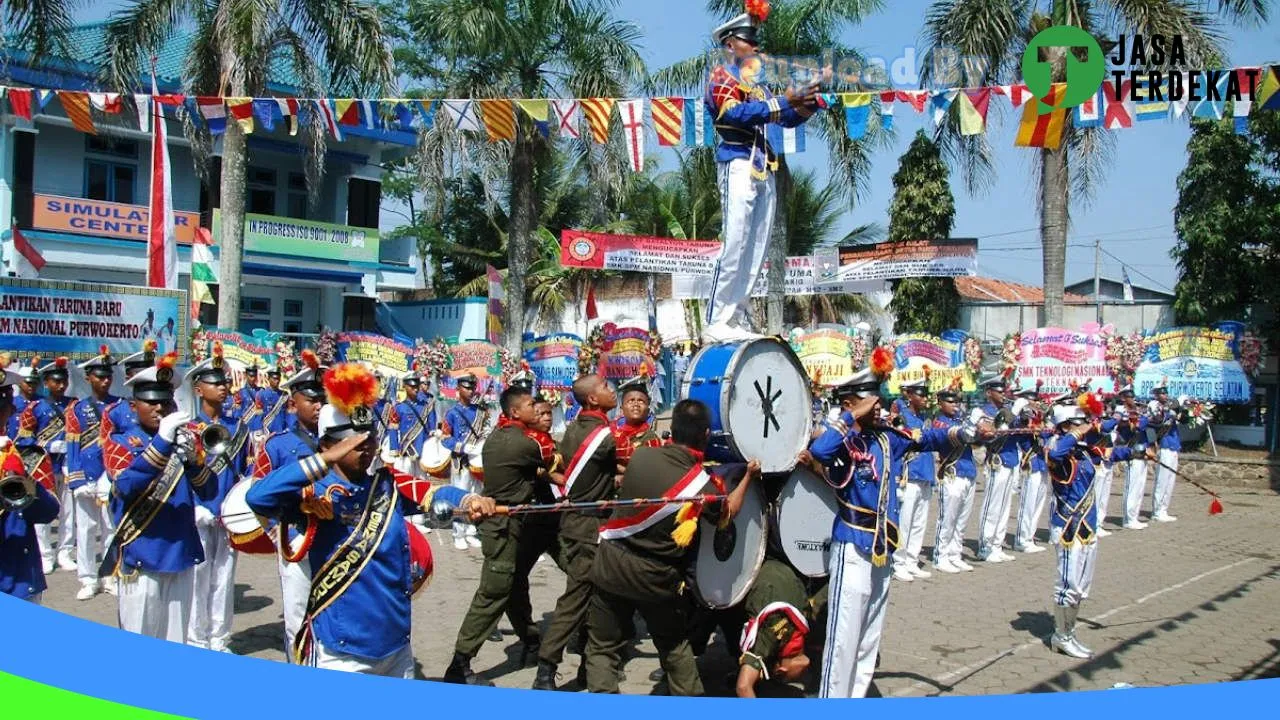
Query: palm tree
x=996 y=33
x=797 y=28
x=329 y=45
x=42 y=25
x=531 y=49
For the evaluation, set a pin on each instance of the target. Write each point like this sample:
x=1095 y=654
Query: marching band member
x=20 y=573
x=243 y=400
x=916 y=484
x=155 y=483
x=118 y=418
x=1166 y=419
x=743 y=109
x=412 y=422
x=43 y=424
x=644 y=553
x=270 y=407
x=306 y=390
x=1073 y=520
x=1104 y=452
x=9 y=380
x=862 y=461
x=957 y=476
x=1131 y=432
x=25 y=396
x=86 y=467
x=462 y=424
x=516 y=457
x=358 y=616
x=591 y=446
x=1002 y=461
x=213 y=583
x=1035 y=484
x=782 y=619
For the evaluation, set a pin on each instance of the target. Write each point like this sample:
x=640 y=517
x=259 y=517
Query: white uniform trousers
x=1135 y=487
x=747 y=207
x=1035 y=489
x=295 y=586
x=913 y=516
x=859 y=595
x=1075 y=570
x=66 y=521
x=45 y=541
x=88 y=514
x=398 y=664
x=995 y=509
x=213 y=590
x=1102 y=489
x=1162 y=493
x=955 y=503
x=463 y=480
x=1015 y=488
x=157 y=605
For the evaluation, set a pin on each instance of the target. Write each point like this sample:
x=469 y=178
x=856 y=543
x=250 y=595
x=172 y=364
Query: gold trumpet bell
x=215 y=439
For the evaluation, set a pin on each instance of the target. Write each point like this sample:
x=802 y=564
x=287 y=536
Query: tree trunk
x=1054 y=197
x=231 y=244
x=775 y=304
x=520 y=235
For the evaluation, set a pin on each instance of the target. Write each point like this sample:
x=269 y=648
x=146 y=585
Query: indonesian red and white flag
x=162 y=244
x=27 y=262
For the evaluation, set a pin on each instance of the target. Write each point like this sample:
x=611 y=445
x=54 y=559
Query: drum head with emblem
x=767 y=410
x=728 y=560
x=246 y=529
x=803 y=518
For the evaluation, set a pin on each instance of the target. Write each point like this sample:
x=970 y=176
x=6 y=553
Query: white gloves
x=204 y=518
x=169 y=425
x=5 y=442
x=85 y=490
x=1020 y=405
x=58 y=447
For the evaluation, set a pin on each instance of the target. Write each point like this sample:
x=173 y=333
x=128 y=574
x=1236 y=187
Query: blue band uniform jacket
x=1071 y=471
x=21 y=572
x=956 y=460
x=743 y=108
x=170 y=543
x=85 y=461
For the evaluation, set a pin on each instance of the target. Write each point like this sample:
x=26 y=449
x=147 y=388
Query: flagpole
x=1097 y=276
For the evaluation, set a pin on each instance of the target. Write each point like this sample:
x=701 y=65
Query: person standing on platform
x=744 y=109
x=86 y=468
x=916 y=485
x=155 y=483
x=43 y=424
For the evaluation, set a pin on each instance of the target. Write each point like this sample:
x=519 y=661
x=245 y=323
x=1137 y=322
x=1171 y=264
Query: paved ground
x=1187 y=602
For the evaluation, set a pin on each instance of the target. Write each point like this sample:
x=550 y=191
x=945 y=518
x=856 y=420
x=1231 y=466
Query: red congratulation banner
x=598 y=251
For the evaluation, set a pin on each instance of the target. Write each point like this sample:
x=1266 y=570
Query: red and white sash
x=752 y=627
x=579 y=460
x=689 y=487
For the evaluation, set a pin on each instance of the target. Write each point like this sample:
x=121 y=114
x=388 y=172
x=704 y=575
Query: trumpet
x=213 y=439
x=17 y=492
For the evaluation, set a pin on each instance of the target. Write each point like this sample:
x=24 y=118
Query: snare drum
x=247 y=531
x=475 y=461
x=758 y=394
x=728 y=560
x=436 y=460
x=803 y=519
x=421 y=562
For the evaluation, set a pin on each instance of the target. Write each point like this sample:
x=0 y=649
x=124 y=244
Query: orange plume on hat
x=150 y=346
x=1090 y=404
x=928 y=372
x=881 y=362
x=12 y=462
x=168 y=360
x=758 y=10
x=349 y=386
x=217 y=348
x=956 y=384
x=60 y=362
x=310 y=359
x=102 y=350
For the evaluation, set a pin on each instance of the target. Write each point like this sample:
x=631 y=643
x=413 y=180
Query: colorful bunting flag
x=427 y=111
x=464 y=116
x=162 y=242
x=668 y=120
x=241 y=109
x=857 y=109
x=941 y=103
x=887 y=100
x=1017 y=94
x=1115 y=110
x=699 y=126
x=568 y=117
x=330 y=120
x=106 y=102
x=1269 y=89
x=786 y=141
x=1087 y=114
x=214 y=112
x=915 y=98
x=599 y=112
x=1240 y=108
x=203 y=268
x=1042 y=131
x=539 y=112
x=499 y=118
x=142 y=102
x=1146 y=107
x=76 y=105
x=632 y=114
x=43 y=97
x=973 y=111
x=1207 y=107
x=20 y=102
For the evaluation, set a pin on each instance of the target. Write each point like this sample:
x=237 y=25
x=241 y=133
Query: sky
x=1131 y=213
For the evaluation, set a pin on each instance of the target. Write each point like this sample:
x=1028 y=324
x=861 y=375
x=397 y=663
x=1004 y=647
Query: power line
x=1137 y=271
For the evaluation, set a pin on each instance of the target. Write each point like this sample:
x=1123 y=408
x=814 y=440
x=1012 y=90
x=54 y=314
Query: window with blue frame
x=110 y=181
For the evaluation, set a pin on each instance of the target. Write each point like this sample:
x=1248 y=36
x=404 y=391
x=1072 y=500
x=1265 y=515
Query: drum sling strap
x=270 y=417
x=139 y=515
x=346 y=563
x=57 y=424
x=417 y=430
x=91 y=433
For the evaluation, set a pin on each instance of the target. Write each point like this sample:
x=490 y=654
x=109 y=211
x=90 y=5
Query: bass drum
x=803 y=519
x=758 y=394
x=248 y=533
x=475 y=460
x=729 y=559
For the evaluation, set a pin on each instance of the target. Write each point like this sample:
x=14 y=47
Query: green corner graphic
x=27 y=698
x=1083 y=78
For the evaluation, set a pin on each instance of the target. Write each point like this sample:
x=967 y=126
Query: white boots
x=1064 y=633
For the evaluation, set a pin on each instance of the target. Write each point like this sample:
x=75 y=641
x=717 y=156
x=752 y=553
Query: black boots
x=546 y=677
x=459 y=672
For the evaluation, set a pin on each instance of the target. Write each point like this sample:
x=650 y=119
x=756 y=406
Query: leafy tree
x=923 y=209
x=42 y=24
x=1228 y=223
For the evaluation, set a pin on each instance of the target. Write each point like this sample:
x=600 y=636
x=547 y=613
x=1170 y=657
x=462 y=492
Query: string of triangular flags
x=675 y=121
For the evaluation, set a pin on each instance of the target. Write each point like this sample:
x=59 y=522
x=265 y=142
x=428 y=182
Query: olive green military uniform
x=644 y=572
x=511 y=545
x=580 y=530
x=778 y=582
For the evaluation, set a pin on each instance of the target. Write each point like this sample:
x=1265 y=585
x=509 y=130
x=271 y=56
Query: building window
x=293 y=308
x=297 y=196
x=363 y=199
x=109 y=181
x=293 y=327
x=115 y=147
x=261 y=185
x=255 y=306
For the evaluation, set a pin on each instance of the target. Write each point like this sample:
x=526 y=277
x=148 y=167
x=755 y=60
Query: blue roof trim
x=296 y=273
x=440 y=301
x=265 y=144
